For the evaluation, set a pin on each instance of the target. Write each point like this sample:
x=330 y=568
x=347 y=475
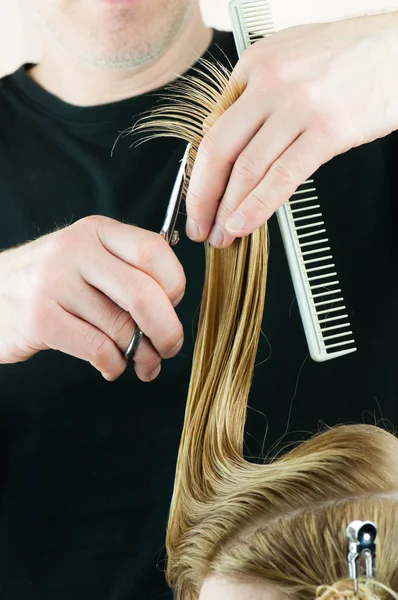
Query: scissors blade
x=173 y=208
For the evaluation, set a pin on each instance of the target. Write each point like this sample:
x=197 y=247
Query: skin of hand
x=81 y=290
x=311 y=92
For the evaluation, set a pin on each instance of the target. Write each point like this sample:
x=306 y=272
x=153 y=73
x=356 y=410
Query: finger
x=75 y=337
x=298 y=163
x=147 y=362
x=271 y=141
x=217 y=153
x=140 y=296
x=145 y=250
x=95 y=308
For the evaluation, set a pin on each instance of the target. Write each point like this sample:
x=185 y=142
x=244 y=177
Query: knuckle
x=93 y=222
x=194 y=199
x=277 y=70
x=150 y=246
x=224 y=212
x=329 y=128
x=121 y=325
x=307 y=93
x=282 y=174
x=250 y=58
x=242 y=68
x=247 y=168
x=260 y=205
x=325 y=121
x=62 y=242
x=153 y=247
x=138 y=294
x=101 y=347
x=268 y=75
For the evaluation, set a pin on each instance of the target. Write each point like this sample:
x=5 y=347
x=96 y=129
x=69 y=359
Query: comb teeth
x=252 y=21
x=317 y=287
x=321 y=304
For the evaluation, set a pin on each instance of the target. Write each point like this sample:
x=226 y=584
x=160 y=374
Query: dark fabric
x=87 y=466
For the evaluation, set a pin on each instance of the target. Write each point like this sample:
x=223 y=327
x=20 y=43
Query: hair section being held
x=284 y=522
x=230 y=317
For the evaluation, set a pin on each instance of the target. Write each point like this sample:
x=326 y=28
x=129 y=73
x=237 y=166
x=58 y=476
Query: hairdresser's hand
x=312 y=92
x=78 y=290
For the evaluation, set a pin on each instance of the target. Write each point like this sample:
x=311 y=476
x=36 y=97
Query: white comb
x=302 y=227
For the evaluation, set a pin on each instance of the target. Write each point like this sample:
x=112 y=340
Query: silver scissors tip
x=173 y=207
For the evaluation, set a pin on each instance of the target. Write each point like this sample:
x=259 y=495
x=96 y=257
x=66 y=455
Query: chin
x=115 y=53
x=117 y=34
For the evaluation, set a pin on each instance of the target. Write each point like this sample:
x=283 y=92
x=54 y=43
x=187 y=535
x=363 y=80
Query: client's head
x=245 y=531
x=278 y=531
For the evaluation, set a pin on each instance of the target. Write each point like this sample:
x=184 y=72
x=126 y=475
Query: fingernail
x=216 y=236
x=175 y=349
x=236 y=223
x=154 y=373
x=192 y=229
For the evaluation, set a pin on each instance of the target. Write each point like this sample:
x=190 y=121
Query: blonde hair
x=285 y=521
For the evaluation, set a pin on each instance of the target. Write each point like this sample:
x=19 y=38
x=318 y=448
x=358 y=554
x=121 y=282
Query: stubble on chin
x=130 y=40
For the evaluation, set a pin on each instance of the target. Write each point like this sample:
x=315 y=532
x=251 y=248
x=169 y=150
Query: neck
x=80 y=83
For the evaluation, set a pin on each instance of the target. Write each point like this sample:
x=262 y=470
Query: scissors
x=168 y=232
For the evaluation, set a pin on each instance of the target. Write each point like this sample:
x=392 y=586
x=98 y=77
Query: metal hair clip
x=361 y=537
x=168 y=232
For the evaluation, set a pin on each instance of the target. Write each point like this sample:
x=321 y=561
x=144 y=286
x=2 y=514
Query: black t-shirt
x=87 y=466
